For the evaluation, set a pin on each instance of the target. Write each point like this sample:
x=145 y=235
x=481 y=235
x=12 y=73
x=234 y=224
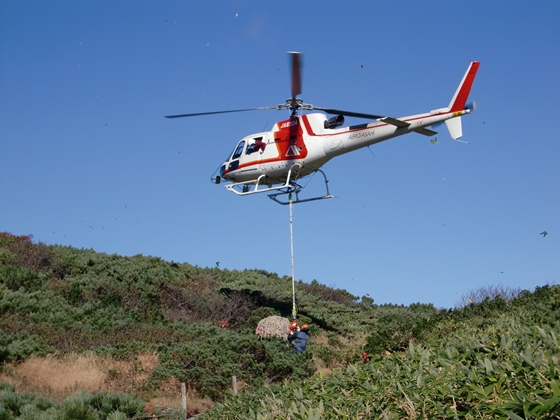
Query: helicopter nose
x=222 y=170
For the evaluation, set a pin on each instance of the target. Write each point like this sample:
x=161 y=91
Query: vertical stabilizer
x=460 y=98
x=455 y=127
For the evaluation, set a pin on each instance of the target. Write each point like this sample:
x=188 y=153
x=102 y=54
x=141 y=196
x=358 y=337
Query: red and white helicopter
x=273 y=161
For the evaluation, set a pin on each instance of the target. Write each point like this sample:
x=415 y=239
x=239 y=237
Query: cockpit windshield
x=238 y=150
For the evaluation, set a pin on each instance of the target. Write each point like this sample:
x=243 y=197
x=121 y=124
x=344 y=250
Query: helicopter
x=274 y=161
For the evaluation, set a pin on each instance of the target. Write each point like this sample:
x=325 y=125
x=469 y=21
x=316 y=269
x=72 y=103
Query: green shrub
x=211 y=356
x=397 y=326
x=12 y=403
x=80 y=406
x=15 y=278
x=20 y=346
x=116 y=404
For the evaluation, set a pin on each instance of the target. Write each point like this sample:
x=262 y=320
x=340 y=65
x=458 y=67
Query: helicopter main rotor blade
x=349 y=113
x=296 y=74
x=221 y=112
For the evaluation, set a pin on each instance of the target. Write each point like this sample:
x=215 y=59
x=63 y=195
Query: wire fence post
x=184 y=395
x=234 y=383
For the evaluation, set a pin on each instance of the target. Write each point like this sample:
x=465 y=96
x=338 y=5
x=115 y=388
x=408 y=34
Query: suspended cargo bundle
x=273 y=326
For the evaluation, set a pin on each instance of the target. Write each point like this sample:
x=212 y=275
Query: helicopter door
x=251 y=159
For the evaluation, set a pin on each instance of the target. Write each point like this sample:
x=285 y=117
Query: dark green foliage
x=209 y=359
x=261 y=313
x=80 y=406
x=20 y=346
x=328 y=293
x=21 y=406
x=74 y=294
x=105 y=403
x=15 y=278
x=397 y=326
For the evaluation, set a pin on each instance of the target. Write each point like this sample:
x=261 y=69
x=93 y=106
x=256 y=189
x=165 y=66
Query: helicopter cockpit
x=242 y=153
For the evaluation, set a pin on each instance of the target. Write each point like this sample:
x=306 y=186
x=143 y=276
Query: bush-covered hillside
x=496 y=358
x=489 y=360
x=57 y=299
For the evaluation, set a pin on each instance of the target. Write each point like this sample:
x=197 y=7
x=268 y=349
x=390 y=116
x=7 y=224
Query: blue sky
x=87 y=159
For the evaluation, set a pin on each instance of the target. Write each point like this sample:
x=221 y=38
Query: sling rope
x=292 y=255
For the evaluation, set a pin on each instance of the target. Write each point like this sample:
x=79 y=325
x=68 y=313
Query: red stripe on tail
x=465 y=88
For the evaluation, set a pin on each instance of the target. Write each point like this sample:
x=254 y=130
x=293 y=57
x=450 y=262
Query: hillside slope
x=60 y=300
x=486 y=359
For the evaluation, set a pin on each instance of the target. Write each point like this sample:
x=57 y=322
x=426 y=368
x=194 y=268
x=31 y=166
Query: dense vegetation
x=64 y=299
x=494 y=358
x=489 y=360
x=81 y=406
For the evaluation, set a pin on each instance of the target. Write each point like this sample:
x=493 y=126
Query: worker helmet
x=304 y=326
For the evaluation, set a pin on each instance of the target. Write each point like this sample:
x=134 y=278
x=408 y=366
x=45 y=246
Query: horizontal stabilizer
x=426 y=132
x=395 y=122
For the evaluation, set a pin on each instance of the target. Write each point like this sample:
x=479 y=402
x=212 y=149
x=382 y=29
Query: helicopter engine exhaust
x=334 y=121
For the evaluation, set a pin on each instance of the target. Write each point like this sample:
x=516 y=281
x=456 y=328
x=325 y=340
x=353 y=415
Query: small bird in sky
x=218 y=264
x=544 y=233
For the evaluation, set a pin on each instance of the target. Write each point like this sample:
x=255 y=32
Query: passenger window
x=250 y=149
x=258 y=145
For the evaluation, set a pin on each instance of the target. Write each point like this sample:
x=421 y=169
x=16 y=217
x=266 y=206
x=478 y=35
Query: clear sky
x=88 y=160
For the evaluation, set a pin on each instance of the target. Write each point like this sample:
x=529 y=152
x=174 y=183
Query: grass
x=56 y=378
x=59 y=377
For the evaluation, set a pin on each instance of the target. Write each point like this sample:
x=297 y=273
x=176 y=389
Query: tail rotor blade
x=471 y=105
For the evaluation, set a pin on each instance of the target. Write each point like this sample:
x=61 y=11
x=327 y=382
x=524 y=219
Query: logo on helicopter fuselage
x=361 y=134
x=293 y=150
x=290 y=123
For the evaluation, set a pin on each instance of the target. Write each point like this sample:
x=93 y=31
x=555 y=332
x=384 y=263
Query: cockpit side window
x=238 y=150
x=256 y=145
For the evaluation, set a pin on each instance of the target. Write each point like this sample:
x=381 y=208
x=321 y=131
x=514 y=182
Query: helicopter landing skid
x=290 y=187
x=295 y=189
x=252 y=186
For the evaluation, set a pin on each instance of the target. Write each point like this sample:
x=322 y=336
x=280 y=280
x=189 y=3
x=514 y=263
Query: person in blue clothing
x=300 y=336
